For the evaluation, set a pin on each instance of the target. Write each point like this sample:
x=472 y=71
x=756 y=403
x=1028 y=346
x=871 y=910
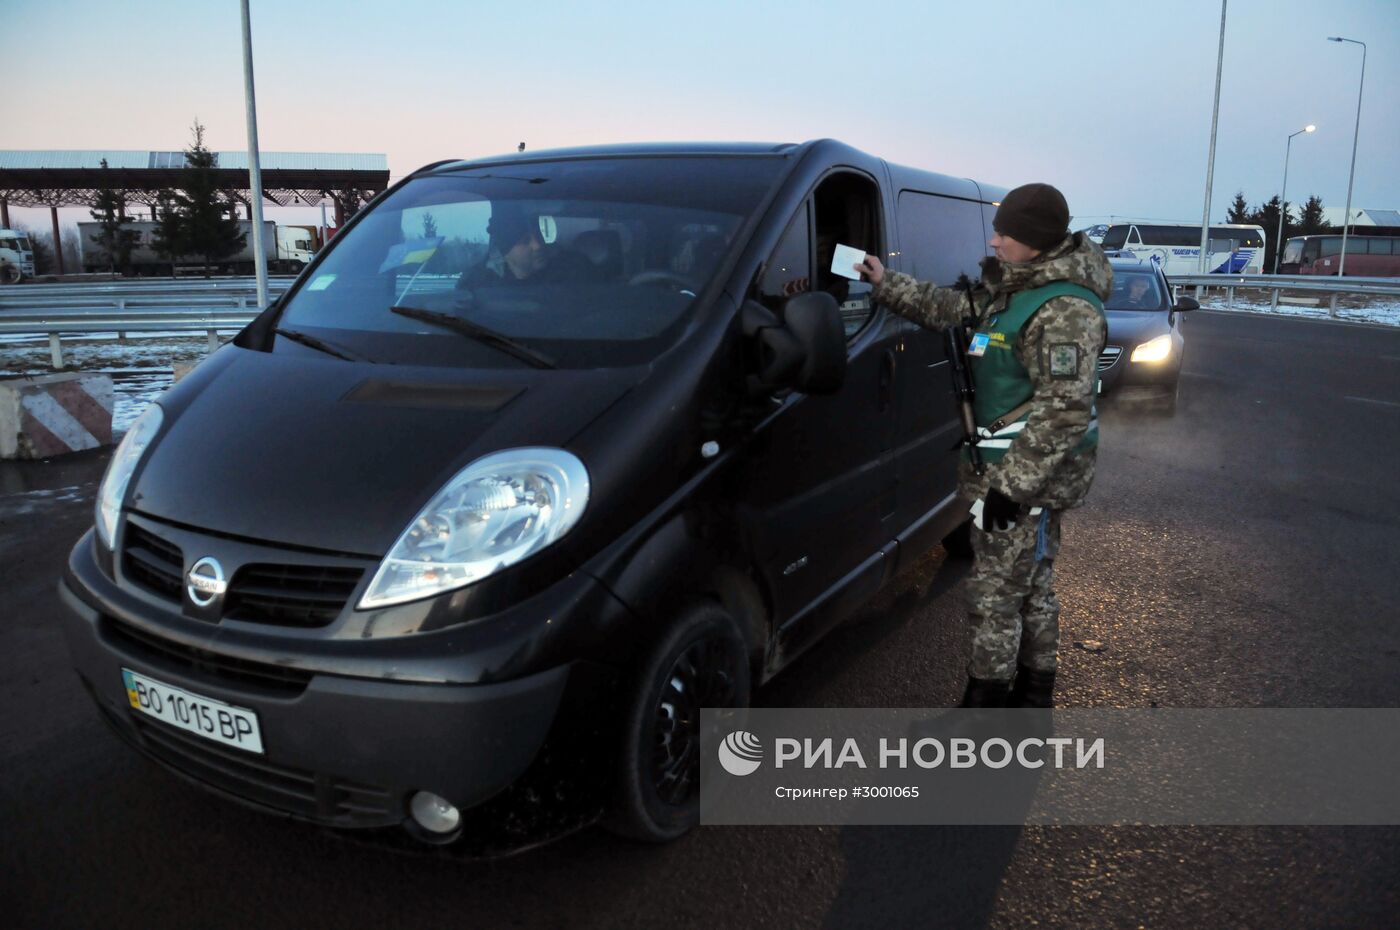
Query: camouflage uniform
x=1013 y=608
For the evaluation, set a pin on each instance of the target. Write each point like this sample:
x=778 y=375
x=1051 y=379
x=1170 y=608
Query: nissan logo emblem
x=205 y=582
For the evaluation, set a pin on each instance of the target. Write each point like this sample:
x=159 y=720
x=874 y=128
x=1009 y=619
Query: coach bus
x=1367 y=256
x=1176 y=247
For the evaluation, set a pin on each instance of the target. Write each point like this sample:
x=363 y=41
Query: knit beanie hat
x=1033 y=214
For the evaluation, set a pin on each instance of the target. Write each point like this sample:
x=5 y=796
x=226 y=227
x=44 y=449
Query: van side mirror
x=1187 y=303
x=806 y=350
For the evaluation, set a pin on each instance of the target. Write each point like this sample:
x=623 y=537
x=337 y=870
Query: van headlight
x=1156 y=349
x=495 y=512
x=119 y=471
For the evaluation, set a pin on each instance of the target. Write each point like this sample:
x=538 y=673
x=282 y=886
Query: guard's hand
x=871 y=269
x=999 y=512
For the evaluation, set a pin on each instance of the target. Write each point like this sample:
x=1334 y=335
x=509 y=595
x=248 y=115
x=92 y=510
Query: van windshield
x=591 y=263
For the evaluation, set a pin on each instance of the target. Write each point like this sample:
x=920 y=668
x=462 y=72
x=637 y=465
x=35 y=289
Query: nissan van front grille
x=1109 y=356
x=153 y=563
x=278 y=594
x=290 y=595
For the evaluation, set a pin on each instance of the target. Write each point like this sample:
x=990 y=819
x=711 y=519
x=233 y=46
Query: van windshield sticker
x=321 y=282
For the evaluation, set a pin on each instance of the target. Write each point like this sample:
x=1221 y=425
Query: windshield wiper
x=479 y=333
x=320 y=345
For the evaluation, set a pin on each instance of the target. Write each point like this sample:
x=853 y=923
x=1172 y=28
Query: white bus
x=1176 y=247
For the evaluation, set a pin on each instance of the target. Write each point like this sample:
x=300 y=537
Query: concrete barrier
x=55 y=414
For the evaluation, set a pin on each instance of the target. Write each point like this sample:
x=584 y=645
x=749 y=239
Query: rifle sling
x=1011 y=416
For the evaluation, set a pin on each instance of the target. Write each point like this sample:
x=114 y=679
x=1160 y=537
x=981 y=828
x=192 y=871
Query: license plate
x=202 y=716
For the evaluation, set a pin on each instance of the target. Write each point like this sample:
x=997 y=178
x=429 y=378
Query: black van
x=543 y=454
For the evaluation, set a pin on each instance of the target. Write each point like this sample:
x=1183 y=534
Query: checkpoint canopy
x=65 y=178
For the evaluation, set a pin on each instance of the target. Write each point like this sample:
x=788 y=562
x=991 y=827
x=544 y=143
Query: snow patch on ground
x=31 y=356
x=141 y=368
x=1384 y=311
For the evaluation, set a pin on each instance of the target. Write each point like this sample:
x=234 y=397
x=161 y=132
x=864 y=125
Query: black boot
x=985 y=692
x=1033 y=688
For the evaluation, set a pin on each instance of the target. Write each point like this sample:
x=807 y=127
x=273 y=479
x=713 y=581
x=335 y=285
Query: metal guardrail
x=146 y=305
x=19 y=292
x=211 y=305
x=1333 y=286
x=55 y=324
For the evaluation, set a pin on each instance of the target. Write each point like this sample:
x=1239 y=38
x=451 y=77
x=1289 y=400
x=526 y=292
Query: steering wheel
x=670 y=279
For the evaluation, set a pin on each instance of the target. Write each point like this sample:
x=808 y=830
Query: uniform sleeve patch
x=1064 y=360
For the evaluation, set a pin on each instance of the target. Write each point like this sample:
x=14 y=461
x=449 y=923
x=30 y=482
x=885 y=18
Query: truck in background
x=16 y=256
x=289 y=249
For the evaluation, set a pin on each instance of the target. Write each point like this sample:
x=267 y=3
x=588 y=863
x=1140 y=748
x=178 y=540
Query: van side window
x=789 y=268
x=1133 y=238
x=940 y=237
x=847 y=214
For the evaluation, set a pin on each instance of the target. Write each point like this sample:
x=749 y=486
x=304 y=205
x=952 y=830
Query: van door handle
x=887 y=364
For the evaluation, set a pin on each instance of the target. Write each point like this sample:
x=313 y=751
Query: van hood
x=340 y=456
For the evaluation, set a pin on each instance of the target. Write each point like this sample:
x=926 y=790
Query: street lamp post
x=1283 y=197
x=1346 y=214
x=254 y=167
x=1210 y=162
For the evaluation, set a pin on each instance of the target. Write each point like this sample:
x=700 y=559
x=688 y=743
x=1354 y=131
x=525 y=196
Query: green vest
x=1001 y=380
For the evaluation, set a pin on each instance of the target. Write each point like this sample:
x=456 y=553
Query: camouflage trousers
x=1014 y=613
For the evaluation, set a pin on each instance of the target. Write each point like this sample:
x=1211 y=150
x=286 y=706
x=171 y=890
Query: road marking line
x=1372 y=400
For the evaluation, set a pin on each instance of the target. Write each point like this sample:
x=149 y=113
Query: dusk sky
x=1111 y=101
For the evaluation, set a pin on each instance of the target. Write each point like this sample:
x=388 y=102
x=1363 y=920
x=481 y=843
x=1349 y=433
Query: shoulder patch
x=1064 y=360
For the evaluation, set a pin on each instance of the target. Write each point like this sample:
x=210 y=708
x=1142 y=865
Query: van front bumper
x=339 y=750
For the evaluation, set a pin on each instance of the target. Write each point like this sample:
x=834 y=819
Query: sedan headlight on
x=495 y=512
x=119 y=471
x=1156 y=349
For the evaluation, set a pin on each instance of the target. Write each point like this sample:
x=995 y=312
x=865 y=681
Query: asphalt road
x=1241 y=554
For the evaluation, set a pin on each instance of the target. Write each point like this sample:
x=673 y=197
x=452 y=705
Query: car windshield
x=1136 y=290
x=590 y=263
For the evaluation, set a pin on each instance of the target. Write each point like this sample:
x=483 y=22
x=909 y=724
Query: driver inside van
x=518 y=253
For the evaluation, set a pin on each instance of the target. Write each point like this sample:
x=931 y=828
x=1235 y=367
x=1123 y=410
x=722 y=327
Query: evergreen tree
x=169 y=240
x=112 y=240
x=207 y=229
x=1311 y=221
x=1239 y=210
x=1267 y=216
x=429 y=226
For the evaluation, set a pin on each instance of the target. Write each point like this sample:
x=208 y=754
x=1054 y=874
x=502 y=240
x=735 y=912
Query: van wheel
x=958 y=544
x=700 y=661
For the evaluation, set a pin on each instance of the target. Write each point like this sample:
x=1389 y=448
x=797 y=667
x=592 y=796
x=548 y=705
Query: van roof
x=623 y=150
x=835 y=149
